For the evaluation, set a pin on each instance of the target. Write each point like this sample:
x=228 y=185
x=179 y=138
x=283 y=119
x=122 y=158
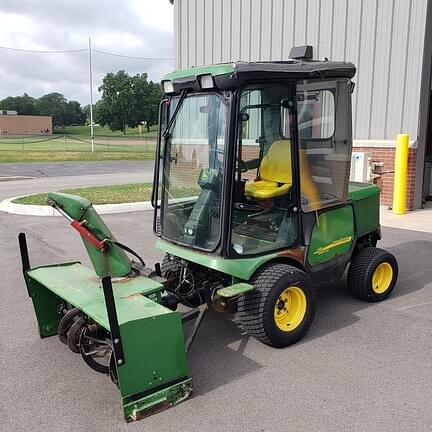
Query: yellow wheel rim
x=290 y=309
x=382 y=278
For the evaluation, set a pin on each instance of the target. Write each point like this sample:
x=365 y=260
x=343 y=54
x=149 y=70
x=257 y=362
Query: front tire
x=281 y=309
x=372 y=274
x=170 y=268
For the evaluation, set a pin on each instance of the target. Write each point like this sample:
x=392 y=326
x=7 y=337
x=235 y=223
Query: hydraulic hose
x=127 y=249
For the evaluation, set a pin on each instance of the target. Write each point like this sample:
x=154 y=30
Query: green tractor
x=254 y=211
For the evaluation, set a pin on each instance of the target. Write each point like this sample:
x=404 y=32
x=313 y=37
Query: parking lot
x=363 y=367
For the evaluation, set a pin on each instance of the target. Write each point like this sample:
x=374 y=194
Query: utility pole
x=91 y=95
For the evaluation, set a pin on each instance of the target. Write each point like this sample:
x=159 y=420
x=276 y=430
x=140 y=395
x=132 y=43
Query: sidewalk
x=417 y=220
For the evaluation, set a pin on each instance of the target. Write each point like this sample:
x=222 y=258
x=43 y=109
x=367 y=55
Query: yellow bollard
x=400 y=175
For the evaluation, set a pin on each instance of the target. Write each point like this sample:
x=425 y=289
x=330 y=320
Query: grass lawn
x=47 y=149
x=106 y=131
x=100 y=195
x=114 y=194
x=62 y=156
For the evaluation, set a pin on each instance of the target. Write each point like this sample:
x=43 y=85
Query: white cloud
x=142 y=28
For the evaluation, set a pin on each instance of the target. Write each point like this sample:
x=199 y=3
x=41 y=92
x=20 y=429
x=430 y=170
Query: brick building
x=12 y=124
x=390 y=42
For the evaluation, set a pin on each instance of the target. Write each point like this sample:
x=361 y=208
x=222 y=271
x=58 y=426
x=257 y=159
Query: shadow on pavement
x=337 y=309
x=217 y=356
x=415 y=266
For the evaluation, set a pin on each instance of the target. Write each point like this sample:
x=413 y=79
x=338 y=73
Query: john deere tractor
x=254 y=211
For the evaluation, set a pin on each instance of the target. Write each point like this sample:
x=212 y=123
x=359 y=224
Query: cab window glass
x=324 y=145
x=264 y=185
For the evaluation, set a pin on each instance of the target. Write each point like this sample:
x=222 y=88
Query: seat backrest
x=276 y=164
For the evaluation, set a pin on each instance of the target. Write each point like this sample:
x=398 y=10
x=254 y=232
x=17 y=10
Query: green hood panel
x=366 y=202
x=242 y=268
x=358 y=191
x=214 y=70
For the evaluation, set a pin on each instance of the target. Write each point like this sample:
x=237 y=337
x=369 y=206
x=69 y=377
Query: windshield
x=193 y=172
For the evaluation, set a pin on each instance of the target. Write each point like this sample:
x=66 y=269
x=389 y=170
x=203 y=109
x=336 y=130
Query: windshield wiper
x=173 y=117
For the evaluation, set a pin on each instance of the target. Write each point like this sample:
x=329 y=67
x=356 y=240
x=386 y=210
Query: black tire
x=257 y=309
x=74 y=335
x=361 y=281
x=94 y=348
x=169 y=266
x=66 y=323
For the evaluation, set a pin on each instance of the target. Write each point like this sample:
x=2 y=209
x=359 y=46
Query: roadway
x=362 y=367
x=62 y=175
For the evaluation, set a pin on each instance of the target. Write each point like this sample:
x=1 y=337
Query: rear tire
x=281 y=309
x=372 y=274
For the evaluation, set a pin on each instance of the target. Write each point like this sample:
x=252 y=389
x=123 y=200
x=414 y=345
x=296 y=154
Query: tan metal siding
x=384 y=38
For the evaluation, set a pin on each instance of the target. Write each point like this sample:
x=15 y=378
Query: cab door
x=332 y=235
x=325 y=141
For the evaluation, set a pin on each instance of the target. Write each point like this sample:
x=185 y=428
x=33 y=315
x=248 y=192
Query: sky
x=139 y=28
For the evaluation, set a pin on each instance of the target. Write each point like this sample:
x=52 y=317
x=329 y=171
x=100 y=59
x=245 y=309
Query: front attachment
x=122 y=318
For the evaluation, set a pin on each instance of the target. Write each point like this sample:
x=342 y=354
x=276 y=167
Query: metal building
x=390 y=41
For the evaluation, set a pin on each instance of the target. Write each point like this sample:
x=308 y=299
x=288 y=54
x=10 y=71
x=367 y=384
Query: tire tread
x=251 y=306
x=361 y=268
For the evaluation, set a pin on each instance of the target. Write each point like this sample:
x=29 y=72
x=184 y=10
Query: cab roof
x=228 y=76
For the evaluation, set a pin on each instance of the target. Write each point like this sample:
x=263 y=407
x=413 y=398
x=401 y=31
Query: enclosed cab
x=254 y=163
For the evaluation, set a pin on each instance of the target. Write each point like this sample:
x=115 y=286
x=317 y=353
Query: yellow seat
x=275 y=173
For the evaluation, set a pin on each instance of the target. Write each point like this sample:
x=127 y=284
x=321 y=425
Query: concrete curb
x=8 y=206
x=13 y=178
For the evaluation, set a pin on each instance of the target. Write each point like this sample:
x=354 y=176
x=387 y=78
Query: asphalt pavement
x=60 y=169
x=361 y=367
x=63 y=175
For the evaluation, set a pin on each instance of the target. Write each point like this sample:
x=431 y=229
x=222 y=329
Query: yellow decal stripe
x=324 y=249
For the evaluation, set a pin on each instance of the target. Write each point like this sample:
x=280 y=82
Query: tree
x=116 y=109
x=55 y=105
x=24 y=105
x=74 y=114
x=64 y=113
x=86 y=111
x=127 y=101
x=146 y=97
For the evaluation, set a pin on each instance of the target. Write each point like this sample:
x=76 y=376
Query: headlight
x=168 y=87
x=206 y=82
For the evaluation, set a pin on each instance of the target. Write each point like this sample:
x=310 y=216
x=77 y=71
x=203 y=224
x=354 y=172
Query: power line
x=85 y=50
x=132 y=57
x=44 y=51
